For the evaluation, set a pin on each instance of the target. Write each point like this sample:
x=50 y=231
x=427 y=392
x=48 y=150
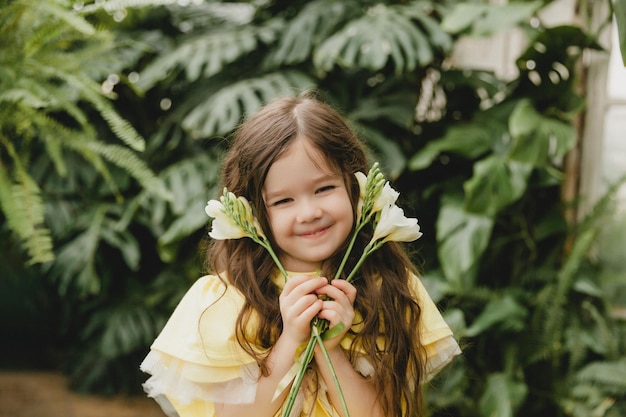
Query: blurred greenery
x=114 y=115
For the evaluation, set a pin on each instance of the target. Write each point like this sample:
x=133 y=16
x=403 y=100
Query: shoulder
x=209 y=308
x=208 y=290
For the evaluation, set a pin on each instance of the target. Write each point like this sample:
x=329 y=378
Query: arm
x=299 y=304
x=359 y=393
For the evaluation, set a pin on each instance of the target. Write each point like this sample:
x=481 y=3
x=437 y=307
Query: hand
x=299 y=304
x=338 y=308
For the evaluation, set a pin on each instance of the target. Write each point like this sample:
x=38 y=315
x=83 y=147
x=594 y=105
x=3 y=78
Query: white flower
x=394 y=226
x=362 y=180
x=223 y=227
x=250 y=219
x=386 y=198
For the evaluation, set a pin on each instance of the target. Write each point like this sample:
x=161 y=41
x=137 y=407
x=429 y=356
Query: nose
x=308 y=211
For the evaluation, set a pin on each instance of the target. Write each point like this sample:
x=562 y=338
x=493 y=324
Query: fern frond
x=120 y=126
x=113 y=5
x=222 y=111
x=23 y=208
x=126 y=159
x=71 y=19
x=609 y=374
x=556 y=309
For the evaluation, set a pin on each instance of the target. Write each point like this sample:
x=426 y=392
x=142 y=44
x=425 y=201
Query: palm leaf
x=74 y=269
x=485 y=19
x=313 y=24
x=222 y=111
x=207 y=54
x=384 y=34
x=191 y=181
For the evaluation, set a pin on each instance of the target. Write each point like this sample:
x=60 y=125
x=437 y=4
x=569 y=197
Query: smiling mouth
x=316 y=232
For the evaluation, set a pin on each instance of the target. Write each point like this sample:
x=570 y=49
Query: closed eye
x=283 y=201
x=325 y=188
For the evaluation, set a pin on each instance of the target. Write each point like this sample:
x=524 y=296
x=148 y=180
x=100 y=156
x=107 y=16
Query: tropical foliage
x=478 y=159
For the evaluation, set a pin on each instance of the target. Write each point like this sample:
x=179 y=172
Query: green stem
x=350 y=245
x=333 y=373
x=307 y=356
x=269 y=249
x=366 y=252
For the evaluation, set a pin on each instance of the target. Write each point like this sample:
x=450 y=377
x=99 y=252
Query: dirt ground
x=44 y=394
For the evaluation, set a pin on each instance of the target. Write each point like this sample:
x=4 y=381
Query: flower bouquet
x=233 y=219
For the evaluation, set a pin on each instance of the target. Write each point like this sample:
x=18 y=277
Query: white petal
x=387 y=197
x=394 y=226
x=362 y=180
x=214 y=208
x=222 y=226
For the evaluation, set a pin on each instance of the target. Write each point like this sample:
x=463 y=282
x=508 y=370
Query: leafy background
x=114 y=116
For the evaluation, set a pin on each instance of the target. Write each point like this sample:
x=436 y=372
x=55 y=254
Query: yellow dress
x=196 y=360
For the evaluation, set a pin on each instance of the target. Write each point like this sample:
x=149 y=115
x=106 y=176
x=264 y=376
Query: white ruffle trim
x=446 y=348
x=169 y=377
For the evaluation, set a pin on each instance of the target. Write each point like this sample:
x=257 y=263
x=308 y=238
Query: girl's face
x=308 y=207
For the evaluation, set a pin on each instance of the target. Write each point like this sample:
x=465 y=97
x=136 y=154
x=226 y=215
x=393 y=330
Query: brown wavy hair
x=389 y=330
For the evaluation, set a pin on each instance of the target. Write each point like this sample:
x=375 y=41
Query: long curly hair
x=389 y=329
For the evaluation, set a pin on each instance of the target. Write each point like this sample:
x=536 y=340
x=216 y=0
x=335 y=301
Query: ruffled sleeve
x=436 y=335
x=196 y=360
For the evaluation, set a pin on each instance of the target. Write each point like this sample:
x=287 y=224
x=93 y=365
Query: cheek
x=277 y=222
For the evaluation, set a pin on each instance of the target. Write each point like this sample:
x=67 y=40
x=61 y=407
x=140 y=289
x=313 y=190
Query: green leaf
x=537 y=138
x=484 y=20
x=389 y=153
x=72 y=19
x=496 y=183
x=314 y=22
x=129 y=161
x=468 y=140
x=221 y=112
x=23 y=207
x=504 y=312
x=384 y=34
x=502 y=396
x=206 y=54
x=609 y=373
x=395 y=107
x=74 y=268
x=333 y=331
x=462 y=238
x=124 y=242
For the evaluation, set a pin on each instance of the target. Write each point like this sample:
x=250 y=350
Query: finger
x=300 y=305
x=303 y=284
x=346 y=287
x=336 y=313
x=333 y=316
x=343 y=294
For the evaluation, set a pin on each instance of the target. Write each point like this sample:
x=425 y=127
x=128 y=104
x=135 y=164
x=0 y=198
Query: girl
x=234 y=337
